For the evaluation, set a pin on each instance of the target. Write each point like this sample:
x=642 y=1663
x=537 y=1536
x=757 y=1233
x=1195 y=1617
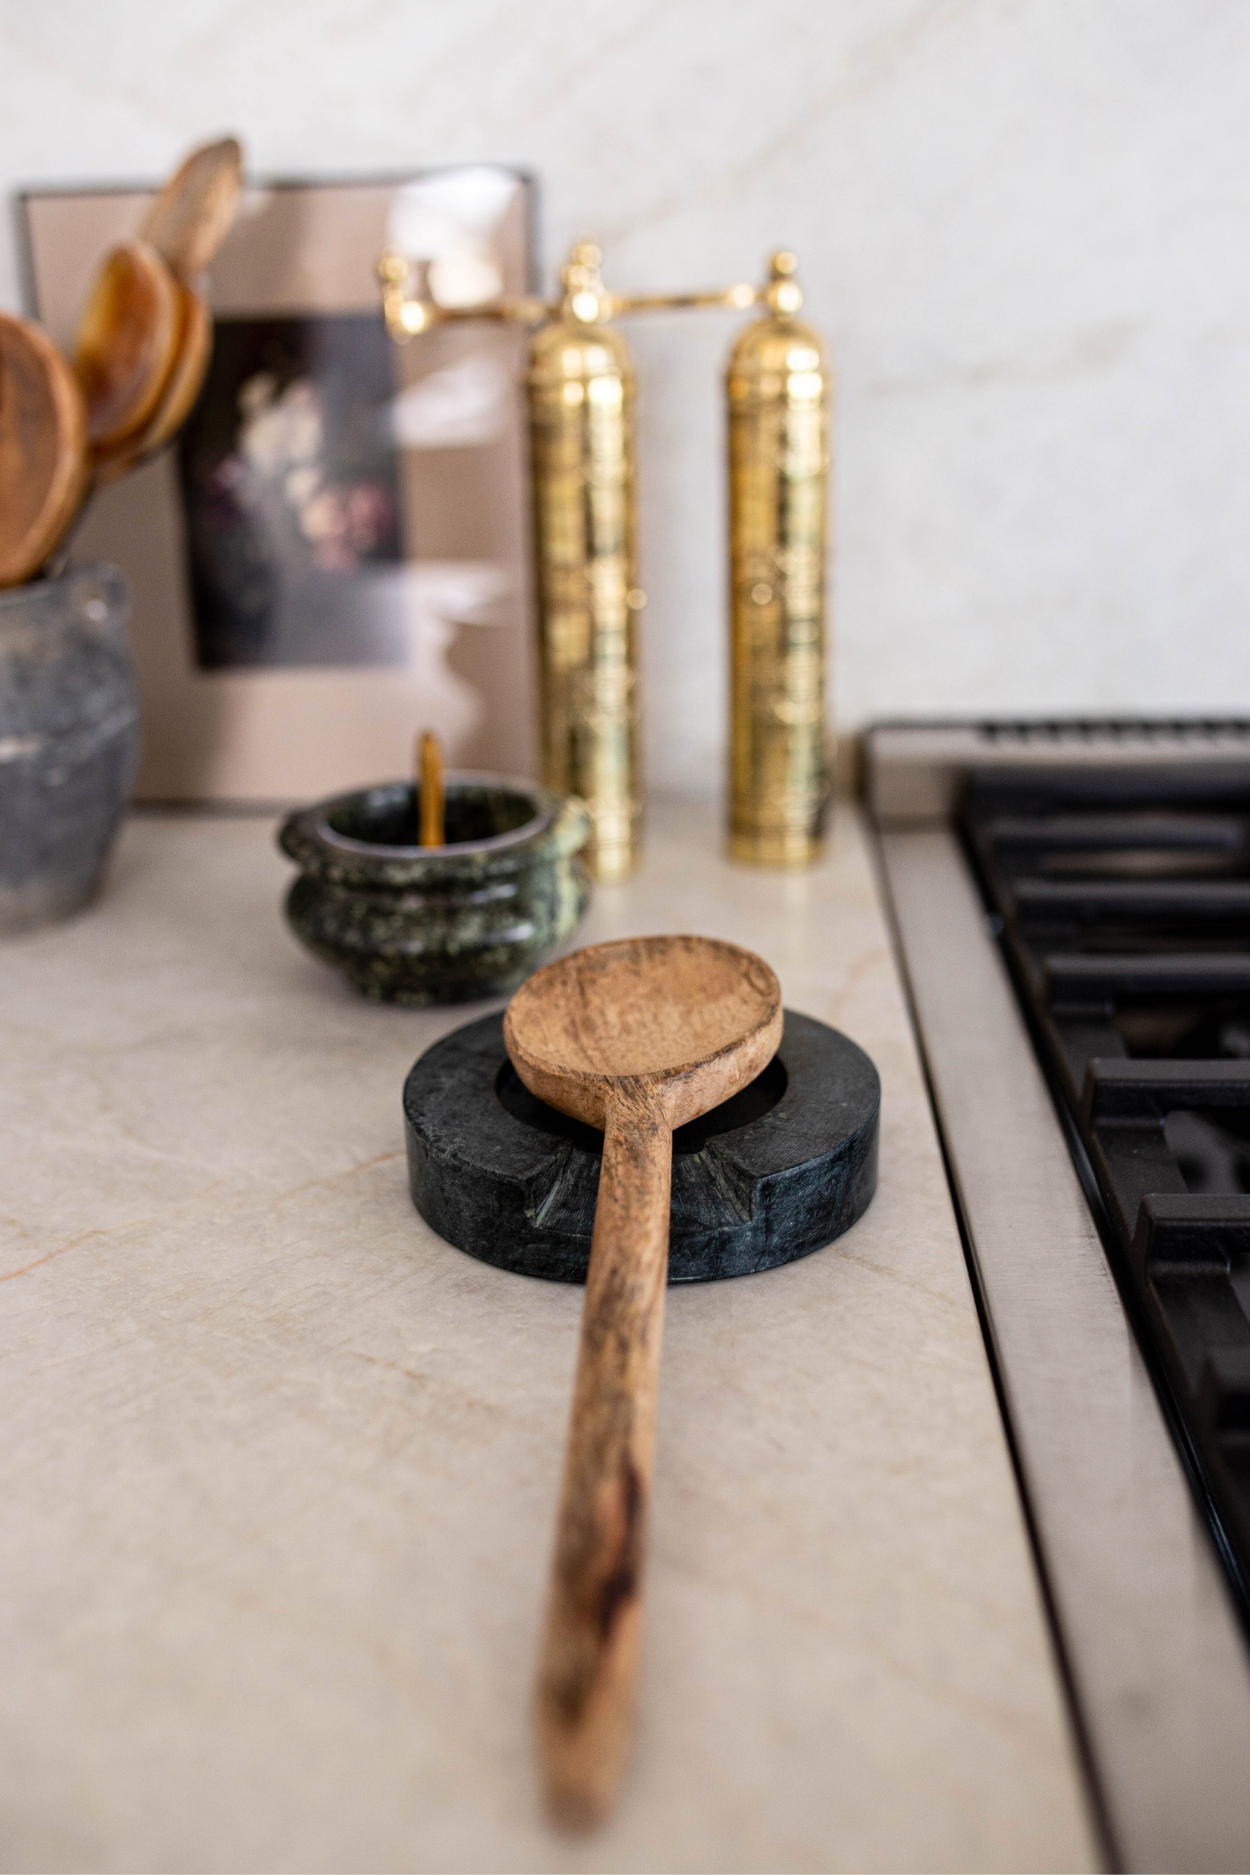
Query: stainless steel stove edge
x=913 y=771
x=1154 y=1653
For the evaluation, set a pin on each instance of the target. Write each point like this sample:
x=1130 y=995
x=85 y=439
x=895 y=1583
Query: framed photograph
x=334 y=555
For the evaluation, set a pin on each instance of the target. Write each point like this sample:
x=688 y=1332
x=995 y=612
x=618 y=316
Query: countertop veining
x=280 y=1466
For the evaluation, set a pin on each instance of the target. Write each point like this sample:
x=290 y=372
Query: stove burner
x=1123 y=907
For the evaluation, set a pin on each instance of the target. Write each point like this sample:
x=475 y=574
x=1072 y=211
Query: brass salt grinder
x=580 y=393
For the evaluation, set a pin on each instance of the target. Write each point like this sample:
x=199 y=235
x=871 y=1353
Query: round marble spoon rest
x=778 y=1171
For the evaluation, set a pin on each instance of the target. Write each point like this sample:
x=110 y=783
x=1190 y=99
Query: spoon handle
x=585 y=1694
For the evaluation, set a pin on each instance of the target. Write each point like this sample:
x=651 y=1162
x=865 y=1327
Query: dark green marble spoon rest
x=778 y=1171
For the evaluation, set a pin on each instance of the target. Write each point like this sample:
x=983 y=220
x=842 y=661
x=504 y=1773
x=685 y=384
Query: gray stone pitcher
x=69 y=740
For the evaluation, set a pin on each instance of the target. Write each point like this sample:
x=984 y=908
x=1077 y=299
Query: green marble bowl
x=443 y=924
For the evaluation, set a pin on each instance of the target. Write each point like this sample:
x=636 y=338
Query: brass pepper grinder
x=580 y=393
x=580 y=386
x=778 y=386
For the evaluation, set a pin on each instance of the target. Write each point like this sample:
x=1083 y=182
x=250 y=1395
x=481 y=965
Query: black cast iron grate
x=1122 y=899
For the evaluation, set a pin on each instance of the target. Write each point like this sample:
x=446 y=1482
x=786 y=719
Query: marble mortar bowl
x=444 y=924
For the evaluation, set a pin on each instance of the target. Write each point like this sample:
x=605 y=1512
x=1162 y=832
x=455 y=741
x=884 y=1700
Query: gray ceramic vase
x=69 y=740
x=450 y=924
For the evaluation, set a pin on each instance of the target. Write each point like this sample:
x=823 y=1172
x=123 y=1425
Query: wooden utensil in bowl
x=43 y=448
x=637 y=1038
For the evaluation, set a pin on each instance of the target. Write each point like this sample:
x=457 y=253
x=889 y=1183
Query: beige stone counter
x=279 y=1466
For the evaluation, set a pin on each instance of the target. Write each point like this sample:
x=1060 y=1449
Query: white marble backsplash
x=1024 y=225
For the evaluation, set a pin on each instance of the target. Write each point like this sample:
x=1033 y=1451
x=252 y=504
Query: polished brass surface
x=408 y=313
x=580 y=387
x=580 y=391
x=778 y=386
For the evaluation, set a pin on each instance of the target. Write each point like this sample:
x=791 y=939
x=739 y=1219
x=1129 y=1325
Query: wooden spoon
x=43 y=448
x=191 y=216
x=636 y=1037
x=194 y=347
x=127 y=344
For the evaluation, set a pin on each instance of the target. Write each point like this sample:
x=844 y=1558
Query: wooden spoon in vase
x=637 y=1038
x=127 y=344
x=184 y=227
x=192 y=351
x=191 y=216
x=43 y=448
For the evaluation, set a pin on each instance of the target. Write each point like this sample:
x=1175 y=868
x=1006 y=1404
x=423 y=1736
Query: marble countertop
x=280 y=1467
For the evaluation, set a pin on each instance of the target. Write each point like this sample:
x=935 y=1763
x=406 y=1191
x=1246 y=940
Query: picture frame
x=334 y=555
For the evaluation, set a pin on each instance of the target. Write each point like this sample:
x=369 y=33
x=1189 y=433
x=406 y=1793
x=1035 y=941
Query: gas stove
x=1072 y=908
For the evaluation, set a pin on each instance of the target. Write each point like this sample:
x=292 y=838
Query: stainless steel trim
x=914 y=770
x=1156 y=1659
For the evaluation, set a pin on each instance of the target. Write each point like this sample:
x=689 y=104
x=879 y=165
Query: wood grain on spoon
x=43 y=448
x=637 y=1038
x=432 y=790
x=193 y=350
x=191 y=216
x=127 y=343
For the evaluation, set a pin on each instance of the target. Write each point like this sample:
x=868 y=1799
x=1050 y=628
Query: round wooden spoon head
x=680 y=1023
x=191 y=216
x=186 y=380
x=43 y=454
x=127 y=343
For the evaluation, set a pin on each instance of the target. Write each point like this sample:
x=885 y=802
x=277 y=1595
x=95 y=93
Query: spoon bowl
x=192 y=350
x=191 y=216
x=127 y=343
x=682 y=1022
x=43 y=449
